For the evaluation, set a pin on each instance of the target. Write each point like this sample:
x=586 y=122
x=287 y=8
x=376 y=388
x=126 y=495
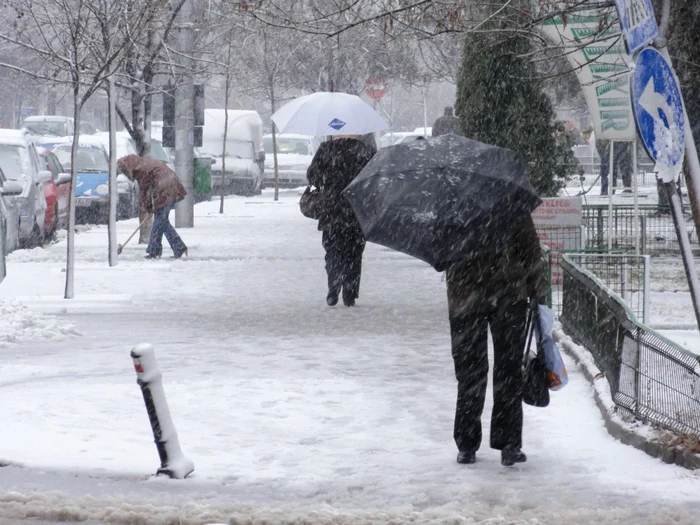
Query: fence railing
x=625 y=274
x=650 y=377
x=657 y=234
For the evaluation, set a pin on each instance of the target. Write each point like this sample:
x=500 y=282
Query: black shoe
x=466 y=457
x=510 y=457
x=152 y=256
x=332 y=299
x=348 y=301
x=179 y=255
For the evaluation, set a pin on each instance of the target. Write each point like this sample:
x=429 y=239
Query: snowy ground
x=293 y=412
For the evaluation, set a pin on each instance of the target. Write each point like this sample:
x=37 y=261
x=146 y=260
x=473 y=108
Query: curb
x=616 y=427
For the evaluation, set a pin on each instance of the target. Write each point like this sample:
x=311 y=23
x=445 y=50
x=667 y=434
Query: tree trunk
x=70 y=244
x=227 y=93
x=113 y=195
x=274 y=143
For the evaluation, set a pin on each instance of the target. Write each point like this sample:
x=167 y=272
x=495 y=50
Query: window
x=89 y=159
x=158 y=153
x=34 y=160
x=47 y=127
x=288 y=145
x=11 y=161
x=87 y=128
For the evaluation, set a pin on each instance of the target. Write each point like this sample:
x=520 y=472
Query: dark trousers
x=344 y=261
x=161 y=226
x=470 y=353
x=622 y=163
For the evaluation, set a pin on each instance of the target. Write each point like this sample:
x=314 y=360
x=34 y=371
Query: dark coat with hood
x=335 y=165
x=447 y=124
x=158 y=184
x=485 y=280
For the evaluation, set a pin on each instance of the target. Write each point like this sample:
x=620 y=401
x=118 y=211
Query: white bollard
x=173 y=463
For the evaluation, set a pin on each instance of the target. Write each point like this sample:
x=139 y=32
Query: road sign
x=375 y=88
x=638 y=23
x=658 y=111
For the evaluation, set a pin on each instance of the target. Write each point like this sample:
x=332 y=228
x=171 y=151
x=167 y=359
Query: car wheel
x=36 y=238
x=124 y=207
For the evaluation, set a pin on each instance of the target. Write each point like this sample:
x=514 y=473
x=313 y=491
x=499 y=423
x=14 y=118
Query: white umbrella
x=327 y=113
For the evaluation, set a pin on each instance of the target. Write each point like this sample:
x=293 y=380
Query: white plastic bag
x=557 y=377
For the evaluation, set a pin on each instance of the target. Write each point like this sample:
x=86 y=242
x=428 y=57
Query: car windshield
x=45 y=127
x=288 y=145
x=11 y=161
x=238 y=149
x=389 y=139
x=158 y=153
x=89 y=159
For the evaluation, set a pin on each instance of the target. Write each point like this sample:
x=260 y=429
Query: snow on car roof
x=290 y=136
x=87 y=141
x=47 y=118
x=14 y=137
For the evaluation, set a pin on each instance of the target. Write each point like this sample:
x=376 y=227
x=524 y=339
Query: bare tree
x=78 y=42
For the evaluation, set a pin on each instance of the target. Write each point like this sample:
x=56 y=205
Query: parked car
x=159 y=153
x=245 y=156
x=9 y=213
x=128 y=191
x=55 y=126
x=400 y=137
x=20 y=162
x=57 y=192
x=294 y=154
x=92 y=183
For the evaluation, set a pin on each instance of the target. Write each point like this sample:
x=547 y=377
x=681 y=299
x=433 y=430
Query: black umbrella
x=442 y=199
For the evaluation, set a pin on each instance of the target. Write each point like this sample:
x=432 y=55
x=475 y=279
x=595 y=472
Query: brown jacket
x=514 y=274
x=158 y=184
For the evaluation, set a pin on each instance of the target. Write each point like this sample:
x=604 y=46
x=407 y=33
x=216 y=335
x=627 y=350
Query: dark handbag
x=535 y=386
x=309 y=203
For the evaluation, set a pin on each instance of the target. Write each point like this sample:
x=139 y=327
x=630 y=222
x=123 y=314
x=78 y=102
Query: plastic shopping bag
x=557 y=377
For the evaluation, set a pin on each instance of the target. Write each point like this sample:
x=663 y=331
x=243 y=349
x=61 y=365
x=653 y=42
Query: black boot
x=332 y=298
x=511 y=456
x=466 y=457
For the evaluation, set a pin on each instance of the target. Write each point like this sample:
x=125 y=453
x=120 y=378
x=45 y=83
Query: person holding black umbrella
x=335 y=164
x=493 y=290
x=464 y=206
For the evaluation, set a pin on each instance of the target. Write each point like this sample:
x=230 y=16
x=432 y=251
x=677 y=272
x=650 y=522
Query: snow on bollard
x=173 y=463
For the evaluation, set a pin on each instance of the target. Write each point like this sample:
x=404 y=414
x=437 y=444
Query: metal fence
x=626 y=275
x=650 y=377
x=657 y=234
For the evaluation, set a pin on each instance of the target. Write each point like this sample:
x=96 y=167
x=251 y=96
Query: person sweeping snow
x=159 y=190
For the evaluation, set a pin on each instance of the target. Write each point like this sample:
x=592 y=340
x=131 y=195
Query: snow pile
x=118 y=510
x=17 y=323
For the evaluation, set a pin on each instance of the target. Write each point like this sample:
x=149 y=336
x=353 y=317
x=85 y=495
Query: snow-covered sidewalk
x=293 y=412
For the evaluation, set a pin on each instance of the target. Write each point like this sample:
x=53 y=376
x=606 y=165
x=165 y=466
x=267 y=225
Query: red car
x=57 y=192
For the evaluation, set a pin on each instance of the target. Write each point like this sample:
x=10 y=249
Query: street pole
x=113 y=196
x=686 y=252
x=635 y=189
x=611 y=192
x=184 y=118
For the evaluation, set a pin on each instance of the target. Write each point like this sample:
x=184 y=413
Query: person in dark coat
x=446 y=124
x=493 y=291
x=622 y=164
x=336 y=163
x=159 y=190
